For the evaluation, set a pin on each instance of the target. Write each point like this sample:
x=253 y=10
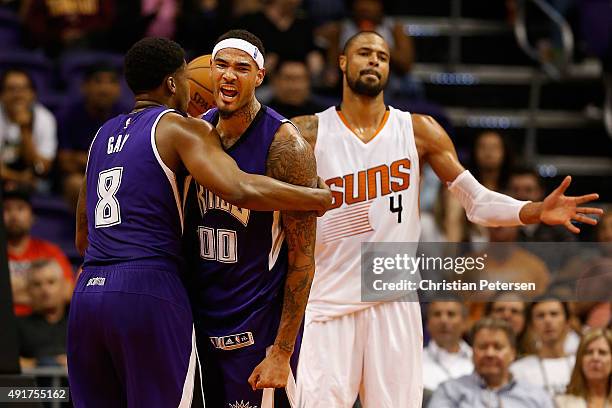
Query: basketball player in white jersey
x=371 y=156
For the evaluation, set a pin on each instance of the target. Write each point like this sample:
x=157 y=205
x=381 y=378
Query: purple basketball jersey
x=133 y=203
x=237 y=257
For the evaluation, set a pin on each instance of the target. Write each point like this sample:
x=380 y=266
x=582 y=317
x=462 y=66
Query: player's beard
x=361 y=87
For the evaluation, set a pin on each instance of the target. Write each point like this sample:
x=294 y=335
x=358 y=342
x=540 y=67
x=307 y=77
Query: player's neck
x=144 y=101
x=451 y=347
x=231 y=128
x=363 y=111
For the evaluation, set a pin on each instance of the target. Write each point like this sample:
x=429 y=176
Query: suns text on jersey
x=373 y=182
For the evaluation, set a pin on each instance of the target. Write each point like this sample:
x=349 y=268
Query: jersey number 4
x=108 y=212
x=218 y=245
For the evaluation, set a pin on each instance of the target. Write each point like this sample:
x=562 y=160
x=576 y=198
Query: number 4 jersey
x=375 y=190
x=134 y=210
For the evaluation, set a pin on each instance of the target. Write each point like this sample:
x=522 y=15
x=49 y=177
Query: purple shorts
x=131 y=341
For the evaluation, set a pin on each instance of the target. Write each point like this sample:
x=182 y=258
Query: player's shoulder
x=176 y=123
x=308 y=125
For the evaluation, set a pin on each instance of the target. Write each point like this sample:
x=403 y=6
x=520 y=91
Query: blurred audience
x=80 y=120
x=61 y=25
x=28 y=139
x=507 y=306
x=525 y=184
x=23 y=249
x=42 y=334
x=446 y=356
x=291 y=92
x=369 y=15
x=491 y=384
x=201 y=22
x=591 y=382
x=551 y=367
x=286 y=32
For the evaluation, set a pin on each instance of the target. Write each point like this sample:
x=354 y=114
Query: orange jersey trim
x=378 y=130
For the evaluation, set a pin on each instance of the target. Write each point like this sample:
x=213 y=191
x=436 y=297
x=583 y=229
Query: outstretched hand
x=559 y=209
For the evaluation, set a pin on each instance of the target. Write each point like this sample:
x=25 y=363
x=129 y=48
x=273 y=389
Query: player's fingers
x=572 y=228
x=586 y=198
x=584 y=219
x=589 y=210
x=563 y=186
x=254 y=378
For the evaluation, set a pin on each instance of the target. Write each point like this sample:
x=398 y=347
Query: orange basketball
x=200 y=86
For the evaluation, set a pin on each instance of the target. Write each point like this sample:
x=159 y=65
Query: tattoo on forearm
x=291 y=160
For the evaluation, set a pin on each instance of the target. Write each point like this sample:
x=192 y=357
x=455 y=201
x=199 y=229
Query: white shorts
x=375 y=353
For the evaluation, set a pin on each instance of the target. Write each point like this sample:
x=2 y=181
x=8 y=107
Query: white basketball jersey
x=375 y=189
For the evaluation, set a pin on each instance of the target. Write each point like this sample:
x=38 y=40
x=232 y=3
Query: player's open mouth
x=228 y=92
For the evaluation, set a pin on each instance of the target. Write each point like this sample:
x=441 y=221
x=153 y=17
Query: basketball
x=200 y=86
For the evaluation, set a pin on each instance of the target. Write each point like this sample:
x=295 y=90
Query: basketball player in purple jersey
x=130 y=332
x=252 y=270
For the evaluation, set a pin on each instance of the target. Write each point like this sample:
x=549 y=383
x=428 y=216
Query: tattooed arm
x=308 y=126
x=290 y=160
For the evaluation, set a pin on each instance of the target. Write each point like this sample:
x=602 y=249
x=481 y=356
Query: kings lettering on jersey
x=209 y=201
x=371 y=183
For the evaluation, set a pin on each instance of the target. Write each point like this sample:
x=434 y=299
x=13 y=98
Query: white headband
x=242 y=45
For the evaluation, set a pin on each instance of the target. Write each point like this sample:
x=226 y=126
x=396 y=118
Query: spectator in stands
x=42 y=335
x=286 y=33
x=59 y=25
x=491 y=384
x=551 y=367
x=591 y=382
x=28 y=139
x=291 y=90
x=507 y=306
x=525 y=184
x=81 y=119
x=23 y=249
x=368 y=15
x=446 y=356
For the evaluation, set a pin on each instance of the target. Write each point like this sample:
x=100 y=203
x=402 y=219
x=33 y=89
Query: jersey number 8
x=108 y=212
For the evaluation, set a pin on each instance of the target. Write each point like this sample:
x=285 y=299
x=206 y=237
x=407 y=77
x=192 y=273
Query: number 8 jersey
x=375 y=190
x=134 y=210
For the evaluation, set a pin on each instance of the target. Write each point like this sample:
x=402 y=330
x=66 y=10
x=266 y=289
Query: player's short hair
x=491 y=323
x=15 y=70
x=246 y=36
x=150 y=61
x=348 y=42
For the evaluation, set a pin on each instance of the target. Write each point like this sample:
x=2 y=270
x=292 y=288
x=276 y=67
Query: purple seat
x=10 y=29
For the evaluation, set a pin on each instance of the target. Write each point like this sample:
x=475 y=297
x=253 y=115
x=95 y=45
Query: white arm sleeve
x=483 y=206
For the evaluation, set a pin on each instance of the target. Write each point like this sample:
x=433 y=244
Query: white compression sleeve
x=483 y=206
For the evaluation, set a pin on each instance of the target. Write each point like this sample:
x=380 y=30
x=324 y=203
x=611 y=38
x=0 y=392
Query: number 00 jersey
x=375 y=190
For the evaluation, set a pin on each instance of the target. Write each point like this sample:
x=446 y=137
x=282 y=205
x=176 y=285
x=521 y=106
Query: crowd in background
x=557 y=350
